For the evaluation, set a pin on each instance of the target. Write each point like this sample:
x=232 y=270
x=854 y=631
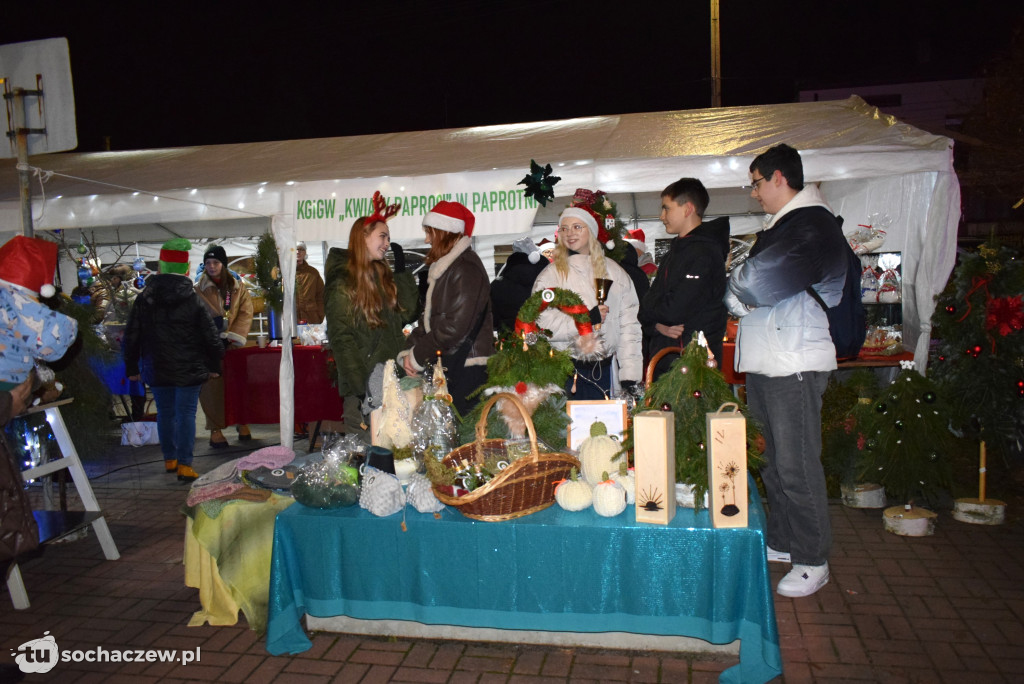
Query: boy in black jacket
x=686 y=295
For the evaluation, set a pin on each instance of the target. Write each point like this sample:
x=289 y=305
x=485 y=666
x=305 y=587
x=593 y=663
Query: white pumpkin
x=573 y=494
x=609 y=498
x=597 y=454
x=627 y=479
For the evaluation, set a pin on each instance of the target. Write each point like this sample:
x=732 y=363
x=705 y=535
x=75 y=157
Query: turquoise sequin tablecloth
x=553 y=570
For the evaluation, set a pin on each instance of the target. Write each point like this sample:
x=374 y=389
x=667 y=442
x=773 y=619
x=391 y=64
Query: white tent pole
x=283 y=228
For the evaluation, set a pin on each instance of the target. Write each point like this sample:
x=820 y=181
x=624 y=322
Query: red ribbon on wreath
x=977 y=283
x=583 y=327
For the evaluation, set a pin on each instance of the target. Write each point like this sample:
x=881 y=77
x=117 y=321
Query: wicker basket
x=526 y=486
x=662 y=353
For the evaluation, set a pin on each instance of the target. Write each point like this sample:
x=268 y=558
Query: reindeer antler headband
x=382 y=211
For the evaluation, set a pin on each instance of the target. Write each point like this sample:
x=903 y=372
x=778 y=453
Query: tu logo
x=37 y=656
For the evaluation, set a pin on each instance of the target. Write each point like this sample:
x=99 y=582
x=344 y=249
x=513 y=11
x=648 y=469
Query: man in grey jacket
x=785 y=348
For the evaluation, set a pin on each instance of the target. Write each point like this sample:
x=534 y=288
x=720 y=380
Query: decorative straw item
x=909 y=521
x=526 y=486
x=980 y=511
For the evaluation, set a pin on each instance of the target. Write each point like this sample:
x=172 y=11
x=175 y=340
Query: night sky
x=231 y=72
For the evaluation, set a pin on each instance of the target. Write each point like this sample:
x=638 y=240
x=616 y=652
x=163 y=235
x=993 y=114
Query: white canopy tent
x=865 y=162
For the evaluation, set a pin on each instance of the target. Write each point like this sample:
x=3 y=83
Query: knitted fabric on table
x=381 y=493
x=267 y=457
x=213 y=508
x=421 y=495
x=220 y=481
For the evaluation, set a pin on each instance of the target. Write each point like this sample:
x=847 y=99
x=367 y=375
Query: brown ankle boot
x=171 y=466
x=217 y=440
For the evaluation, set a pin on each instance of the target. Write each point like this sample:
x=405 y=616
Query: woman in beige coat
x=229 y=303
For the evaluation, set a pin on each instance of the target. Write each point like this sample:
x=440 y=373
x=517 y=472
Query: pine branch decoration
x=268 y=271
x=691 y=389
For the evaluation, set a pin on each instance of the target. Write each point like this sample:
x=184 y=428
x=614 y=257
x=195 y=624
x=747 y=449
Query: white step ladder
x=69 y=460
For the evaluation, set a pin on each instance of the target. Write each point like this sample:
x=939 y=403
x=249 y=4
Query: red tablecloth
x=727 y=365
x=251 y=386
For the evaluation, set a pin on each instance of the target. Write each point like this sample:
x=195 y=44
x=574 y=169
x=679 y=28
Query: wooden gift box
x=654 y=457
x=727 y=467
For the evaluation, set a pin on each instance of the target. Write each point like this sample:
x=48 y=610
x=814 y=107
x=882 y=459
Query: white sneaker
x=777 y=556
x=803 y=580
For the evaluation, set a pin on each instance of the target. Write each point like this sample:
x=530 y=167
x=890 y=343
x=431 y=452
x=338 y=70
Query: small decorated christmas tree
x=528 y=366
x=978 y=363
x=691 y=388
x=843 y=408
x=907 y=445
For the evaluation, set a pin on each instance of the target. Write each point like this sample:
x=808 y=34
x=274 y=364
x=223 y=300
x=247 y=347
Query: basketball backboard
x=39 y=65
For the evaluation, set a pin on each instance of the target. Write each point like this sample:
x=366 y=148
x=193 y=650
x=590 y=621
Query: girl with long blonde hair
x=579 y=261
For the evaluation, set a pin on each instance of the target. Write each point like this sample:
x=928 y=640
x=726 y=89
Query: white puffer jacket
x=620 y=331
x=783 y=330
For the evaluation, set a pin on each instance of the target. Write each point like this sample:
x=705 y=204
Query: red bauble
x=697 y=394
x=666 y=406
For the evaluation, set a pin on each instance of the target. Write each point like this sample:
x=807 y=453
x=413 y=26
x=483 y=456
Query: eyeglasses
x=573 y=228
x=754 y=182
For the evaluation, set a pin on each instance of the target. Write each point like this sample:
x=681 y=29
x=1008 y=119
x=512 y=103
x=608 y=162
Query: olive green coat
x=357 y=347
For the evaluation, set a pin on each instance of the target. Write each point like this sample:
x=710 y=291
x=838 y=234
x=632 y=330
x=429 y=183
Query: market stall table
x=252 y=393
x=554 y=571
x=227 y=558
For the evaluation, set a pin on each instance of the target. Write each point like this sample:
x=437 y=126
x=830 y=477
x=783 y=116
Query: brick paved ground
x=948 y=608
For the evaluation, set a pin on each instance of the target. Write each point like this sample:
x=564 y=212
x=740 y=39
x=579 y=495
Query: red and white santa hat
x=450 y=217
x=29 y=263
x=593 y=222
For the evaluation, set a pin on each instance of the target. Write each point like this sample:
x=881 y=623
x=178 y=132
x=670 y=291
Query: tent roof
x=847 y=126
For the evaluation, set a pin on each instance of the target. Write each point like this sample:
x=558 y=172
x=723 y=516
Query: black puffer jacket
x=631 y=265
x=513 y=287
x=689 y=289
x=170 y=335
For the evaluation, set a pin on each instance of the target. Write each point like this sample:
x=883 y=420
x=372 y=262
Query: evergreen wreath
x=565 y=301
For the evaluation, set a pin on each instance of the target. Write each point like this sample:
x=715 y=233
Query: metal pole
x=21 y=135
x=716 y=58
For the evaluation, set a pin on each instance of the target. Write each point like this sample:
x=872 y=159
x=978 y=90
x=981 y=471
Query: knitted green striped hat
x=174 y=256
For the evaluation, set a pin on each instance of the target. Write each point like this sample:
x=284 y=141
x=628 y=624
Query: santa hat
x=174 y=256
x=450 y=217
x=29 y=263
x=591 y=220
